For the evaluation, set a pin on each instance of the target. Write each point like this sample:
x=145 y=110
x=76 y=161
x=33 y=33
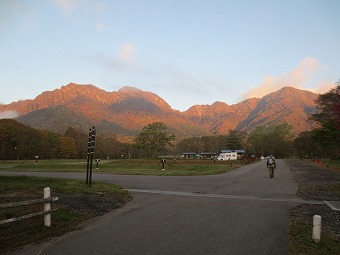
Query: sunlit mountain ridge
x=125 y=112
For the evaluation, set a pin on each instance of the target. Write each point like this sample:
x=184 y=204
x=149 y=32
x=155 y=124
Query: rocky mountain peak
x=126 y=111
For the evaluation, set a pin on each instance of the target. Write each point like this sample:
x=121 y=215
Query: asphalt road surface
x=240 y=212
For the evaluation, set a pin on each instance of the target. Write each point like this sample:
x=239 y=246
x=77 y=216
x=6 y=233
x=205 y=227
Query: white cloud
x=122 y=60
x=81 y=12
x=66 y=5
x=305 y=76
x=8 y=115
x=126 y=53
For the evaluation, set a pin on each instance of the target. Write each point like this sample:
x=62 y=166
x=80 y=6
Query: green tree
x=81 y=140
x=328 y=115
x=305 y=146
x=50 y=144
x=279 y=140
x=109 y=147
x=256 y=141
x=67 y=147
x=153 y=139
x=275 y=140
x=18 y=141
x=192 y=144
x=328 y=107
x=234 y=140
x=210 y=143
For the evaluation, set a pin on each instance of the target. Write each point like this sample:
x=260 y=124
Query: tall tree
x=234 y=140
x=276 y=140
x=256 y=141
x=305 y=146
x=67 y=147
x=210 y=143
x=328 y=106
x=50 y=144
x=328 y=115
x=81 y=140
x=153 y=139
x=192 y=144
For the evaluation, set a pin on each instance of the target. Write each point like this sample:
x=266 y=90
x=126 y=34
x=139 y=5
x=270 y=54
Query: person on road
x=271 y=164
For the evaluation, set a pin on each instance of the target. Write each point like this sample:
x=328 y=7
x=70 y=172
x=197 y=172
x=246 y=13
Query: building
x=189 y=155
x=208 y=155
x=203 y=155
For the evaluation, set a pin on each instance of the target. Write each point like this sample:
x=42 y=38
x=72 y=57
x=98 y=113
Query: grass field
x=126 y=167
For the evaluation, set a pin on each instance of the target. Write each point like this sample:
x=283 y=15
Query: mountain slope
x=126 y=111
x=220 y=117
x=289 y=105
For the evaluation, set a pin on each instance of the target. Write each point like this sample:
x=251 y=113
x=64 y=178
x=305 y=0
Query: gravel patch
x=92 y=205
x=316 y=183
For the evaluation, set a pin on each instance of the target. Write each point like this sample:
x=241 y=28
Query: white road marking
x=192 y=194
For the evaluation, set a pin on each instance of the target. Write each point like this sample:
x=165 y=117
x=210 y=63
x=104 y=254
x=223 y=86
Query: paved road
x=240 y=212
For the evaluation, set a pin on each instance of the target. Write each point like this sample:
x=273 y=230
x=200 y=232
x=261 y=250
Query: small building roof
x=238 y=151
x=208 y=153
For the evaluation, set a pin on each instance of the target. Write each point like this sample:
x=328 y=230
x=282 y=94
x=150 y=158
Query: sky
x=188 y=52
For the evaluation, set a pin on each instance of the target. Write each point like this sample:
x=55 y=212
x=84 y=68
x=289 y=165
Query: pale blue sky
x=187 y=52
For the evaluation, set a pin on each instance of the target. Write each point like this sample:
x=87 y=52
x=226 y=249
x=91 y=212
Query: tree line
x=18 y=141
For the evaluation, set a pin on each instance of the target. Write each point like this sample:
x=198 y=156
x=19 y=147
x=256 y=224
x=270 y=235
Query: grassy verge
x=64 y=219
x=327 y=163
x=301 y=243
x=135 y=167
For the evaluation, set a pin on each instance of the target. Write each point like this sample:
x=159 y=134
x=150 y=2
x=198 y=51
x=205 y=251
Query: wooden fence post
x=47 y=207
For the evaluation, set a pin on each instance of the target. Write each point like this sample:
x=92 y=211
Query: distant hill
x=125 y=112
x=289 y=105
x=220 y=117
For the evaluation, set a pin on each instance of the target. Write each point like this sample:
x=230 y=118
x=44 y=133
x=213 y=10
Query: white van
x=227 y=156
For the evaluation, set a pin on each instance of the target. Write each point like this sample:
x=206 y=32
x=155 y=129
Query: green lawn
x=126 y=167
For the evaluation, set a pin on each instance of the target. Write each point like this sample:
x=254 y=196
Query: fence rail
x=28 y=202
x=47 y=208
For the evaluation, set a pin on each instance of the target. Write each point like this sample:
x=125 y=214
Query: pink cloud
x=302 y=77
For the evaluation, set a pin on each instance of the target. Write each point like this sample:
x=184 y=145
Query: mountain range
x=125 y=112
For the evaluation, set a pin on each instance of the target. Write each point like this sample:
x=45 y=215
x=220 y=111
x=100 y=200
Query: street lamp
x=36 y=159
